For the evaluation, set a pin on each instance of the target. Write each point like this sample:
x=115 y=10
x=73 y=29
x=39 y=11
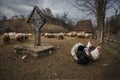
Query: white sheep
x=81 y=34
x=87 y=35
x=74 y=33
x=20 y=37
x=29 y=34
x=49 y=35
x=61 y=36
x=46 y=34
x=69 y=34
x=12 y=35
x=6 y=38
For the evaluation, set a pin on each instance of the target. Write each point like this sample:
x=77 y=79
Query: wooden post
x=37 y=20
x=37 y=38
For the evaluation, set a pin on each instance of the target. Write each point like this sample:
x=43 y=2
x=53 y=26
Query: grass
x=59 y=65
x=20 y=25
x=111 y=48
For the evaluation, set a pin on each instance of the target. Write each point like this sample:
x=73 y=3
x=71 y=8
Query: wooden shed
x=84 y=26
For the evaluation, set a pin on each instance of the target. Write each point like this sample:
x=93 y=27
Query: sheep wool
x=6 y=38
x=19 y=37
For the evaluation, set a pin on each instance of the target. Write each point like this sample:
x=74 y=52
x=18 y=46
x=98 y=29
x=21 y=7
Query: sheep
x=46 y=34
x=65 y=34
x=20 y=37
x=88 y=35
x=49 y=35
x=69 y=34
x=73 y=34
x=15 y=36
x=81 y=34
x=6 y=38
x=24 y=36
x=29 y=34
x=12 y=35
x=42 y=34
x=60 y=36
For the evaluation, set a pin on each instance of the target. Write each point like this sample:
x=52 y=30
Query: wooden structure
x=36 y=51
x=84 y=26
x=37 y=20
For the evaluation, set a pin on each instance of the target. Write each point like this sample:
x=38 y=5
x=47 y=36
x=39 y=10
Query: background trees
x=98 y=8
x=58 y=19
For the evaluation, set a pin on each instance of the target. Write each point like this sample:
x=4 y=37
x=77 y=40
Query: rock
x=25 y=57
x=50 y=52
x=35 y=55
x=55 y=74
x=104 y=65
x=20 y=49
x=35 y=51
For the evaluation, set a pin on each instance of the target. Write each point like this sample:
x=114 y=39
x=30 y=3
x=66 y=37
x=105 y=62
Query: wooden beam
x=37 y=38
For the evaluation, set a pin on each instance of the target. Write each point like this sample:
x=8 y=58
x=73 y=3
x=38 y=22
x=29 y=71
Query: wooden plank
x=114 y=41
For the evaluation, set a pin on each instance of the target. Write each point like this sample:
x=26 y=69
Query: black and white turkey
x=85 y=54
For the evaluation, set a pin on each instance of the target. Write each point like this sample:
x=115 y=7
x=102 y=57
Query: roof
x=84 y=25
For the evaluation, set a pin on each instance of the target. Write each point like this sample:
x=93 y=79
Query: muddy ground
x=59 y=65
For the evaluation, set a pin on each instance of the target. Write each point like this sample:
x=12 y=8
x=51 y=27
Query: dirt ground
x=59 y=65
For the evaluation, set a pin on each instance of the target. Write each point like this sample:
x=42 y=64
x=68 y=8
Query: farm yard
x=60 y=64
x=72 y=40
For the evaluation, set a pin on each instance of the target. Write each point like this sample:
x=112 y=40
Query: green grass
x=111 y=48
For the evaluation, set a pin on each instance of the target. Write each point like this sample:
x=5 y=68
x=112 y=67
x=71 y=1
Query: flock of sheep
x=6 y=37
x=69 y=34
x=53 y=35
x=24 y=36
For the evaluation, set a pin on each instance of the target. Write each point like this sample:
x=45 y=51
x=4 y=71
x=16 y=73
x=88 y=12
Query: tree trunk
x=108 y=32
x=98 y=28
x=108 y=35
x=102 y=32
x=100 y=15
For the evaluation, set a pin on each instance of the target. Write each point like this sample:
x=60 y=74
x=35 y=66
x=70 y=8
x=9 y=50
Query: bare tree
x=117 y=6
x=4 y=17
x=97 y=8
x=22 y=16
x=57 y=16
x=0 y=16
x=47 y=12
x=64 y=16
x=113 y=23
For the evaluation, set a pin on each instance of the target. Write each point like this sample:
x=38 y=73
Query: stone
x=35 y=51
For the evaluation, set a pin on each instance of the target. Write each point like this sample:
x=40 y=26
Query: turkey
x=74 y=50
x=85 y=54
x=95 y=53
